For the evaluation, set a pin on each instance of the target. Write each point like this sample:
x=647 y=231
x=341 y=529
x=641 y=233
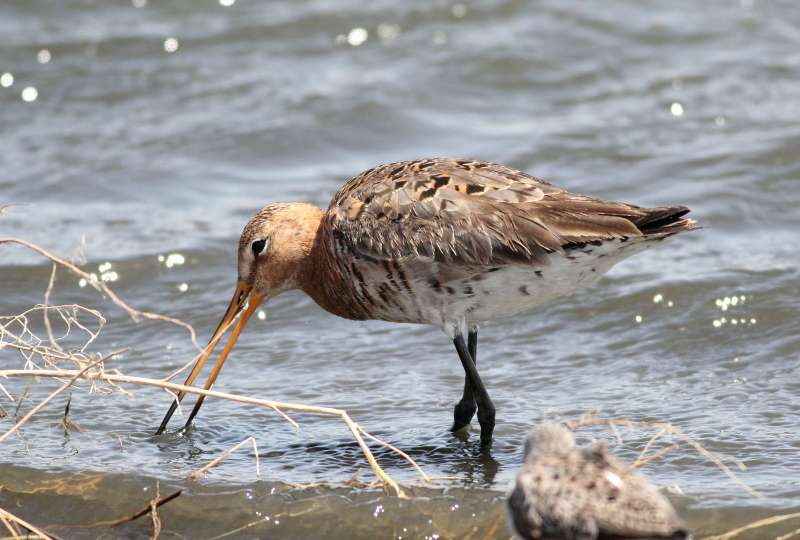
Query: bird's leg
x=465 y=409
x=485 y=405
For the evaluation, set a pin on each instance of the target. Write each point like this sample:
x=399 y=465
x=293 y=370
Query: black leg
x=485 y=405
x=465 y=409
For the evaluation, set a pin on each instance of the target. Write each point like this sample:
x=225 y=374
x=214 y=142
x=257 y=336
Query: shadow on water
x=459 y=454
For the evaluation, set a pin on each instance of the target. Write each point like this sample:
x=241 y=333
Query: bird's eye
x=258 y=247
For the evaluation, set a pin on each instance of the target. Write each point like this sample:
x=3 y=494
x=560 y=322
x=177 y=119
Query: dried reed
x=44 y=358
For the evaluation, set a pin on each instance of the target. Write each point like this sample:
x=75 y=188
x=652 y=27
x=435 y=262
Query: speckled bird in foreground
x=446 y=242
x=568 y=493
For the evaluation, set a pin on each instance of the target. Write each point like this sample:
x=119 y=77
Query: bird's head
x=549 y=439
x=273 y=248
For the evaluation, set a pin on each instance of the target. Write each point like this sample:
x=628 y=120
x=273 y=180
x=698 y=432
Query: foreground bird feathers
x=569 y=493
x=446 y=242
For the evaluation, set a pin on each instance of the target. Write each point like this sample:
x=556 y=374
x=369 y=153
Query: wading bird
x=568 y=493
x=446 y=242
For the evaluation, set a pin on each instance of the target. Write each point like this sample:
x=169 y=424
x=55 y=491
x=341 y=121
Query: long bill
x=242 y=295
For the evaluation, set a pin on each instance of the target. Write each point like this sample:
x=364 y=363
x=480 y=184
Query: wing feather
x=478 y=213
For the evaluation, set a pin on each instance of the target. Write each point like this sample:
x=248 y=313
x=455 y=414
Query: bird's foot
x=462 y=414
x=486 y=419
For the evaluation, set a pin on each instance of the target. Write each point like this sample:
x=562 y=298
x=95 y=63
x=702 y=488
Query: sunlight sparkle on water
x=29 y=94
x=676 y=109
x=357 y=36
x=6 y=79
x=139 y=3
x=84 y=282
x=726 y=303
x=183 y=287
x=171 y=45
x=106 y=273
x=44 y=56
x=173 y=259
x=227 y=3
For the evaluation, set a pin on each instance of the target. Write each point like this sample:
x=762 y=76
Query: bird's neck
x=324 y=279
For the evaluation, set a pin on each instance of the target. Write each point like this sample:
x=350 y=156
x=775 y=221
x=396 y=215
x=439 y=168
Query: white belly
x=517 y=289
x=427 y=295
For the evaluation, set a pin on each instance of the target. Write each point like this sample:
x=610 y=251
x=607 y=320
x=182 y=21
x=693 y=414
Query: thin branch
x=398 y=451
x=154 y=515
x=755 y=525
x=351 y=425
x=498 y=521
x=98 y=285
x=9 y=396
x=11 y=527
x=202 y=470
x=788 y=535
x=647 y=446
x=640 y=461
x=22 y=398
x=238 y=529
x=157 y=502
x=49 y=398
x=47 y=325
x=35 y=530
x=593 y=420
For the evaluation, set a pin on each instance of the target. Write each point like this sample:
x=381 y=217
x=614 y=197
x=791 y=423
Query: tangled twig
x=49 y=398
x=10 y=520
x=16 y=333
x=591 y=419
x=354 y=428
x=98 y=285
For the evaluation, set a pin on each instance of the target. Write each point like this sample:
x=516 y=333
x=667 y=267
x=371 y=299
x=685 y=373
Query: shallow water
x=134 y=153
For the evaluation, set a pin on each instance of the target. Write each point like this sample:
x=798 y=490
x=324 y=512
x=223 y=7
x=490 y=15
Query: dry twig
x=790 y=534
x=33 y=348
x=640 y=461
x=11 y=527
x=238 y=529
x=154 y=503
x=202 y=470
x=49 y=398
x=354 y=428
x=755 y=525
x=591 y=419
x=408 y=458
x=154 y=515
x=134 y=313
x=8 y=517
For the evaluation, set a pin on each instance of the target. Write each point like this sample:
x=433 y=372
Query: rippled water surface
x=161 y=129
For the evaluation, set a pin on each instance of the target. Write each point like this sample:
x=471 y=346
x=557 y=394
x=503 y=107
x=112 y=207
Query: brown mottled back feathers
x=478 y=213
